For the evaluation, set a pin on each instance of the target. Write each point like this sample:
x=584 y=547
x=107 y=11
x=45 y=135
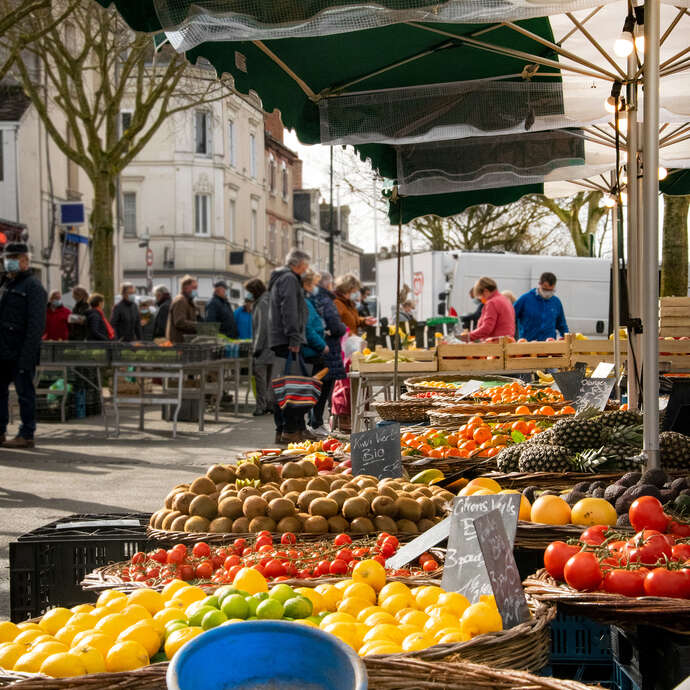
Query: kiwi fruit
x=290 y=524
x=427 y=507
x=202 y=485
x=355 y=508
x=254 y=506
x=361 y=525
x=338 y=524
x=272 y=486
x=280 y=508
x=370 y=493
x=203 y=506
x=323 y=506
x=220 y=486
x=268 y=496
x=446 y=495
x=408 y=509
x=318 y=484
x=246 y=491
x=306 y=497
x=290 y=485
x=339 y=497
x=220 y=473
x=157 y=518
x=316 y=524
x=214 y=496
x=440 y=504
x=384 y=523
x=292 y=470
x=426 y=491
x=229 y=490
x=170 y=498
x=388 y=491
x=230 y=507
x=166 y=524
x=384 y=505
x=424 y=524
x=248 y=470
x=308 y=468
x=367 y=483
x=240 y=525
x=292 y=496
x=221 y=525
x=270 y=473
x=338 y=484
x=183 y=501
x=261 y=523
x=407 y=526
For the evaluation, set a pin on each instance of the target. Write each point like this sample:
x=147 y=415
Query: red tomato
x=293 y=554
x=201 y=550
x=153 y=572
x=381 y=538
x=429 y=566
x=556 y=556
x=393 y=541
x=263 y=541
x=361 y=552
x=181 y=548
x=265 y=548
x=247 y=551
x=217 y=561
x=233 y=571
x=323 y=568
x=648 y=547
x=204 y=570
x=140 y=578
x=288 y=538
x=344 y=555
x=681 y=552
x=679 y=529
x=424 y=558
x=342 y=539
x=222 y=552
x=337 y=567
x=160 y=556
x=648 y=513
x=264 y=533
x=304 y=574
x=582 y=571
x=186 y=572
x=662 y=582
x=175 y=557
x=240 y=544
x=378 y=557
x=274 y=568
x=594 y=535
x=139 y=557
x=629 y=583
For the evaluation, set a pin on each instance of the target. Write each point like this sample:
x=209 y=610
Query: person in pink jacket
x=498 y=315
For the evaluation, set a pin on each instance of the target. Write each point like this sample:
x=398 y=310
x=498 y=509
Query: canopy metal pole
x=616 y=302
x=650 y=304
x=396 y=337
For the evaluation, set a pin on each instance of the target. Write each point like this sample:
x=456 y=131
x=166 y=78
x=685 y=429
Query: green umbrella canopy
x=677 y=183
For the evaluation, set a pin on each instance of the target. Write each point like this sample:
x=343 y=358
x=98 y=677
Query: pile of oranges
x=519 y=393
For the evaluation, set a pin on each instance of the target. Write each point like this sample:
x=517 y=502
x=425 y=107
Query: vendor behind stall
x=218 y=310
x=183 y=315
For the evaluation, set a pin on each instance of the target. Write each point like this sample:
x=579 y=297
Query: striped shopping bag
x=296 y=392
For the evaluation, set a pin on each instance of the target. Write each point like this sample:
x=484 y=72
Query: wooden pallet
x=594 y=351
x=538 y=355
x=471 y=357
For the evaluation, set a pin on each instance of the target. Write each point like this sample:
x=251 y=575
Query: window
x=125 y=121
x=129 y=214
x=252 y=156
x=284 y=181
x=272 y=242
x=254 y=229
x=202 y=123
x=232 y=149
x=231 y=221
x=272 y=174
x=202 y=213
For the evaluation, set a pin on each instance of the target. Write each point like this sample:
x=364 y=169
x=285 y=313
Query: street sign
x=72 y=213
x=149 y=256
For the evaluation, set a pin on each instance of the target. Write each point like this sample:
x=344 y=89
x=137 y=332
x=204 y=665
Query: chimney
x=274 y=125
x=297 y=174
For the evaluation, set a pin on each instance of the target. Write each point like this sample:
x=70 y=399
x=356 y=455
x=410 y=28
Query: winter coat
x=126 y=321
x=57 y=327
x=539 y=318
x=497 y=319
x=160 y=321
x=288 y=315
x=314 y=331
x=243 y=319
x=218 y=310
x=79 y=331
x=22 y=319
x=348 y=314
x=261 y=330
x=335 y=330
x=182 y=319
x=96 y=326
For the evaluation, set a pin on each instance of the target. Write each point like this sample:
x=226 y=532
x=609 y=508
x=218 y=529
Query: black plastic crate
x=575 y=639
x=47 y=352
x=48 y=564
x=150 y=353
x=93 y=351
x=50 y=411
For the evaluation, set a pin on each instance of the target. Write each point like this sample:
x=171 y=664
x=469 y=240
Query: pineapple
x=674 y=450
x=577 y=434
x=543 y=438
x=622 y=456
x=507 y=460
x=622 y=435
x=543 y=458
x=621 y=418
x=589 y=460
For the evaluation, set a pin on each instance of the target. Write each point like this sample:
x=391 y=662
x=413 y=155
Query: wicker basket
x=414 y=383
x=662 y=612
x=450 y=416
x=147 y=678
x=403 y=410
x=537 y=536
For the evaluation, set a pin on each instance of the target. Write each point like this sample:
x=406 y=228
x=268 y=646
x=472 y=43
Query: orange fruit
x=550 y=510
x=547 y=411
x=522 y=409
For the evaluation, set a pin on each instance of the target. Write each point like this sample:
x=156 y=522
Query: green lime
x=213 y=619
x=286 y=618
x=224 y=591
x=271 y=608
x=193 y=608
x=322 y=614
x=234 y=606
x=211 y=601
x=196 y=618
x=242 y=593
x=174 y=625
x=298 y=607
x=316 y=620
x=282 y=593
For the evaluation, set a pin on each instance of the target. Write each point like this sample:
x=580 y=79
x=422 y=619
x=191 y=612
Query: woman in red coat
x=498 y=315
x=56 y=318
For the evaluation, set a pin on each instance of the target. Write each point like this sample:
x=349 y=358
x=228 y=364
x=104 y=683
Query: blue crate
x=600 y=674
x=622 y=680
x=575 y=640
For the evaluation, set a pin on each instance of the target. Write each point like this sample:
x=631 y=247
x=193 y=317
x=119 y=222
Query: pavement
x=77 y=468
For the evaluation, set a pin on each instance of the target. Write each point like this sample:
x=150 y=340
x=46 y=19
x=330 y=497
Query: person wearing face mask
x=22 y=322
x=57 y=316
x=99 y=327
x=218 y=310
x=126 y=319
x=498 y=317
x=183 y=317
x=147 y=315
x=539 y=312
x=471 y=319
x=77 y=319
x=363 y=307
x=160 y=321
x=243 y=317
x=347 y=296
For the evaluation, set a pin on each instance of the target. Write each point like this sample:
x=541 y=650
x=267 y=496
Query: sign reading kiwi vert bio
x=594 y=393
x=377 y=452
x=502 y=569
x=464 y=570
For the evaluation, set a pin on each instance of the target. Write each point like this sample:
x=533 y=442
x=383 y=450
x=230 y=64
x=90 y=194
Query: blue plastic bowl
x=262 y=654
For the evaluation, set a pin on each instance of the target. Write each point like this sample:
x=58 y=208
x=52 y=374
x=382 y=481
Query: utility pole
x=331 y=234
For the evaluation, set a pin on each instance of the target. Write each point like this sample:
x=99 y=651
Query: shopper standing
x=57 y=315
x=539 y=312
x=22 y=322
x=243 y=318
x=125 y=318
x=218 y=310
x=77 y=319
x=147 y=314
x=183 y=316
x=160 y=321
x=99 y=327
x=347 y=296
x=262 y=354
x=498 y=317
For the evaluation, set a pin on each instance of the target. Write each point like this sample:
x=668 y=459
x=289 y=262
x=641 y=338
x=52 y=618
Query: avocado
x=530 y=493
x=656 y=477
x=667 y=496
x=623 y=521
x=574 y=496
x=630 y=479
x=597 y=485
x=613 y=492
x=582 y=487
x=598 y=493
x=679 y=484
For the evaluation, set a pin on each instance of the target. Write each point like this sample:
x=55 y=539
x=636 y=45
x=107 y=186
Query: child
x=341 y=401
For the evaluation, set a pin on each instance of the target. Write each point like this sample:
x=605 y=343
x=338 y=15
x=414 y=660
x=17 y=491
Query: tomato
x=217 y=561
x=290 y=568
x=380 y=559
x=176 y=557
x=288 y=538
x=181 y=548
x=153 y=572
x=304 y=574
x=582 y=571
x=344 y=555
x=680 y=552
x=594 y=535
x=381 y=538
x=648 y=513
x=342 y=539
x=337 y=567
x=323 y=568
x=263 y=541
x=361 y=552
x=201 y=550
x=648 y=547
x=160 y=556
x=247 y=551
x=186 y=572
x=662 y=582
x=425 y=557
x=240 y=544
x=204 y=570
x=265 y=548
x=679 y=529
x=274 y=568
x=429 y=566
x=139 y=557
x=324 y=464
x=387 y=549
x=233 y=571
x=556 y=556
x=222 y=552
x=629 y=583
x=140 y=578
x=390 y=539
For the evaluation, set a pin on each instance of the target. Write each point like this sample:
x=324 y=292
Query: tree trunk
x=674 y=261
x=102 y=225
x=578 y=237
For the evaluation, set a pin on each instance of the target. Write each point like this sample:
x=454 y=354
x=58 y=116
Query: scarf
x=108 y=327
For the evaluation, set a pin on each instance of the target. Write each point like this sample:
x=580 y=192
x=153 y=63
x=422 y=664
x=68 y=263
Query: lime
x=198 y=616
x=314 y=619
x=194 y=607
x=282 y=593
x=174 y=625
x=213 y=619
x=235 y=606
x=225 y=591
x=298 y=607
x=211 y=601
x=255 y=600
x=269 y=609
x=322 y=614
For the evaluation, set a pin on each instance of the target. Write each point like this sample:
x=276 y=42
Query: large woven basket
x=537 y=536
x=414 y=383
x=403 y=410
x=662 y=612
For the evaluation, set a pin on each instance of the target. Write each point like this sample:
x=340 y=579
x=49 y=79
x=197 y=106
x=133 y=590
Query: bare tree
x=94 y=67
x=674 y=261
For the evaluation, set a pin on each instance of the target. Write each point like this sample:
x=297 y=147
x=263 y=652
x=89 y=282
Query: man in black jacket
x=160 y=322
x=22 y=322
x=218 y=310
x=125 y=319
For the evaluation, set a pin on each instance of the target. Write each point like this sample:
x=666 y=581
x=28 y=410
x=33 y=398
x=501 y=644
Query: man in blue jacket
x=218 y=310
x=243 y=317
x=539 y=313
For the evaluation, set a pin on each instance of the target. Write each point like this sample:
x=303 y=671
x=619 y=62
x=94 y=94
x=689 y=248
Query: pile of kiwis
x=299 y=500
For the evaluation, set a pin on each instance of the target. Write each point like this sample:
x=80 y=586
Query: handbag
x=294 y=392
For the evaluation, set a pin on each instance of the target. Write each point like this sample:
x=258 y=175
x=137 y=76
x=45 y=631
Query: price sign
x=594 y=393
x=467 y=388
x=602 y=371
x=377 y=452
x=464 y=570
x=502 y=569
x=568 y=382
x=418 y=546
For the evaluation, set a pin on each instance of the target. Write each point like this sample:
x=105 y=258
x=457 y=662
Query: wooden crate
x=675 y=317
x=538 y=355
x=594 y=351
x=471 y=357
x=359 y=364
x=417 y=355
x=675 y=352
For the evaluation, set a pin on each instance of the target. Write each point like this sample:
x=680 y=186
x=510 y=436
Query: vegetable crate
x=591 y=352
x=82 y=351
x=675 y=317
x=471 y=357
x=422 y=361
x=48 y=564
x=540 y=355
x=676 y=353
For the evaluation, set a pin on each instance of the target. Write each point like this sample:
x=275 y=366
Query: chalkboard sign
x=594 y=393
x=377 y=452
x=568 y=382
x=419 y=545
x=464 y=570
x=502 y=569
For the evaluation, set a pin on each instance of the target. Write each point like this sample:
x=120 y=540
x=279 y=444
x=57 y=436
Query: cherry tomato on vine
x=429 y=566
x=139 y=557
x=681 y=552
x=629 y=583
x=556 y=556
x=274 y=568
x=240 y=544
x=594 y=535
x=175 y=557
x=337 y=567
x=647 y=512
x=204 y=570
x=160 y=556
x=186 y=572
x=342 y=540
x=201 y=550
x=344 y=555
x=678 y=529
x=662 y=582
x=582 y=571
x=288 y=538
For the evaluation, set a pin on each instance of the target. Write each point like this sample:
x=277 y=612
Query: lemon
x=112 y=625
x=454 y=602
x=330 y=594
x=135 y=613
x=31 y=661
x=82 y=608
x=447 y=636
x=55 y=619
x=172 y=588
x=396 y=602
x=480 y=618
x=26 y=625
x=403 y=612
x=380 y=617
x=339 y=617
x=413 y=617
x=84 y=621
x=143 y=633
x=9 y=653
x=68 y=633
x=436 y=623
x=317 y=601
x=370 y=572
x=189 y=594
x=8 y=631
x=248 y=580
x=427 y=596
x=346 y=632
x=384 y=648
x=49 y=646
x=393 y=588
x=368 y=611
x=97 y=640
x=417 y=641
x=99 y=613
x=26 y=637
x=385 y=631
x=361 y=591
x=353 y=605
x=126 y=656
x=170 y=614
x=112 y=598
x=179 y=638
x=92 y=658
x=63 y=665
x=151 y=600
x=343 y=584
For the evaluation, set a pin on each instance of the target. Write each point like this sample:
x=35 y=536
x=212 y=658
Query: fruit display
x=295 y=498
x=654 y=562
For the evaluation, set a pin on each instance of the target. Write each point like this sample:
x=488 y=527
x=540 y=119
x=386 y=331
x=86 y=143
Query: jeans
x=316 y=414
x=24 y=385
